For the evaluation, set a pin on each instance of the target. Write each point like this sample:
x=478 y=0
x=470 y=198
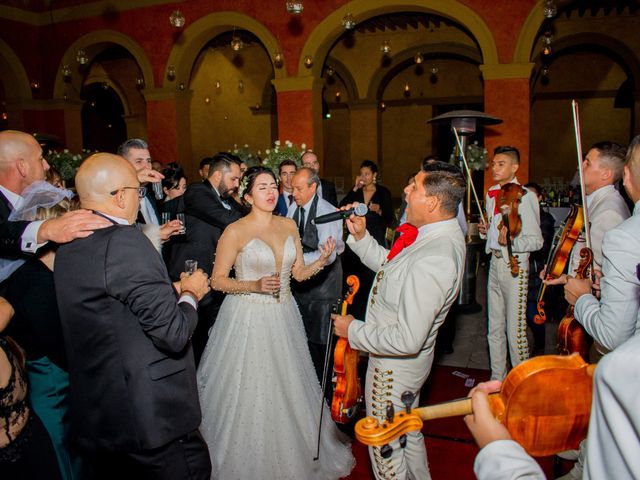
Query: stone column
x=507 y=96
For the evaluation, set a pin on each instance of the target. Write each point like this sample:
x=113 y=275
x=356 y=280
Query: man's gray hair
x=313 y=176
x=123 y=149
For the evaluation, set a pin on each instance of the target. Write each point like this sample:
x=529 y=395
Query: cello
x=544 y=402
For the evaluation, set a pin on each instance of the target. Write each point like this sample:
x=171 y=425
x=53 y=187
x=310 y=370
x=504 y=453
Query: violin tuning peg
x=386 y=451
x=407 y=399
x=391 y=411
x=403 y=441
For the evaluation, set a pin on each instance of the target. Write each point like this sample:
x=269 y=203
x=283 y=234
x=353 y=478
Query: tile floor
x=470 y=347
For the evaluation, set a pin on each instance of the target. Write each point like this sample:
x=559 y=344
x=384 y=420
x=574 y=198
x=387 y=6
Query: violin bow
x=325 y=374
x=466 y=166
x=583 y=194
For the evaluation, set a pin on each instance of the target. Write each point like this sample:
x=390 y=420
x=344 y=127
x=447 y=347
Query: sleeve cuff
x=188 y=299
x=29 y=240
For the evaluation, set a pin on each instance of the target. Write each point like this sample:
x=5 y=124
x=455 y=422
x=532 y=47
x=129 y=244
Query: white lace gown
x=258 y=388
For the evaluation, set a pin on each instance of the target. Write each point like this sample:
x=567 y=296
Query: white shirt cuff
x=189 y=299
x=29 y=239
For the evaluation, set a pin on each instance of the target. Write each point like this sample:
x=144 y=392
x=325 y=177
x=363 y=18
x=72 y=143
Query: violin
x=572 y=337
x=508 y=200
x=347 y=393
x=544 y=402
x=559 y=255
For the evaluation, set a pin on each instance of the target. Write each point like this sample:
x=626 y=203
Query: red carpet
x=450 y=447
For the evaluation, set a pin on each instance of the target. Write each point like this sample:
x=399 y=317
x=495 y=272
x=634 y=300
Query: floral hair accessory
x=242 y=189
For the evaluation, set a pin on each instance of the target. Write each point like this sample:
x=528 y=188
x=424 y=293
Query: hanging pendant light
x=348 y=21
x=295 y=8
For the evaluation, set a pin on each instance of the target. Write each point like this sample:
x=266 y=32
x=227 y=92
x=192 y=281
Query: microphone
x=360 y=210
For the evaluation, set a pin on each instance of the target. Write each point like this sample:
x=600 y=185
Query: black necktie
x=301 y=224
x=290 y=200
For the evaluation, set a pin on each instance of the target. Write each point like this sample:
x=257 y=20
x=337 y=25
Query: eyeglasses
x=142 y=191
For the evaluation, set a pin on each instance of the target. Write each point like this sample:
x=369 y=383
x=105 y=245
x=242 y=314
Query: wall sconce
x=338 y=95
x=385 y=47
x=546 y=41
x=181 y=86
x=295 y=8
x=330 y=71
x=236 y=43
x=217 y=84
x=81 y=57
x=66 y=71
x=550 y=9
x=140 y=82
x=382 y=106
x=176 y=19
x=278 y=59
x=308 y=61
x=407 y=88
x=207 y=100
x=240 y=86
x=171 y=73
x=348 y=22
x=35 y=85
x=418 y=58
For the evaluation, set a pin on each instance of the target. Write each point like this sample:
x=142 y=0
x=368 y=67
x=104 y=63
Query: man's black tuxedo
x=329 y=192
x=10 y=232
x=131 y=368
x=205 y=219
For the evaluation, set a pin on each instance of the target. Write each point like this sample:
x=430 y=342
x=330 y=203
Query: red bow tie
x=494 y=194
x=408 y=234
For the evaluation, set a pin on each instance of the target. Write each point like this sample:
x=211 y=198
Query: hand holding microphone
x=353 y=213
x=358 y=209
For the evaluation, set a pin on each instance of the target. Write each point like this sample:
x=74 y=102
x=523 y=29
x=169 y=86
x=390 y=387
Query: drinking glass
x=166 y=217
x=190 y=266
x=180 y=217
x=157 y=190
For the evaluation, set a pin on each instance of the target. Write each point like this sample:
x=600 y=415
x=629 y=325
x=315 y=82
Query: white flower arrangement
x=67 y=163
x=279 y=153
x=245 y=154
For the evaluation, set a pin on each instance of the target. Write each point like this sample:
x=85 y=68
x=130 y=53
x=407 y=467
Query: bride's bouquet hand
x=269 y=285
x=327 y=249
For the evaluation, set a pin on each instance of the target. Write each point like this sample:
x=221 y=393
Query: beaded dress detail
x=259 y=393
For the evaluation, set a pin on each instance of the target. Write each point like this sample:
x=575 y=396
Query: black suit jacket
x=131 y=367
x=10 y=232
x=151 y=198
x=205 y=219
x=329 y=192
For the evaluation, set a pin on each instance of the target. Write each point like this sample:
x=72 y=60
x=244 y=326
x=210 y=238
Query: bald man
x=21 y=164
x=134 y=403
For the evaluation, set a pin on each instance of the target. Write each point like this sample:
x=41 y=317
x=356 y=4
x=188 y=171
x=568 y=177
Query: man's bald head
x=21 y=161
x=104 y=173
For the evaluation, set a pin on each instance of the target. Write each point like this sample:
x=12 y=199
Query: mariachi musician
x=507 y=294
x=616 y=316
x=413 y=290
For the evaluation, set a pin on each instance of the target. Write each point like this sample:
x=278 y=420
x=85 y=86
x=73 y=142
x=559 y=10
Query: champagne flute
x=190 y=266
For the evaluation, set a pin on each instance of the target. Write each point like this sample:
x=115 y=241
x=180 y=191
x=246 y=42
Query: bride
x=258 y=388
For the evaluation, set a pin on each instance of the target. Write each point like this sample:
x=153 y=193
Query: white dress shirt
x=325 y=230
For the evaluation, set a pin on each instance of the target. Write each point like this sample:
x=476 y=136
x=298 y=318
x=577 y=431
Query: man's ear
x=432 y=203
x=607 y=174
x=21 y=165
x=119 y=199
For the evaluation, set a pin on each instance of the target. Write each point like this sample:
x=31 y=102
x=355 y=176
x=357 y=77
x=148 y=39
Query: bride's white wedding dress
x=259 y=392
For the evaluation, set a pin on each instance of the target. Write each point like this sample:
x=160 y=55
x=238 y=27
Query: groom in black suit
x=209 y=209
x=134 y=402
